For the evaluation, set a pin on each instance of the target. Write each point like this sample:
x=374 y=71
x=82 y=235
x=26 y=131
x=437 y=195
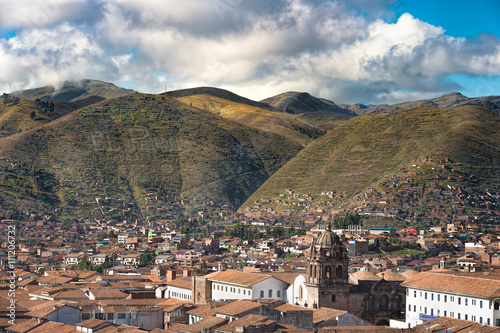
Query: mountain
x=258 y=115
x=85 y=92
x=215 y=92
x=126 y=147
x=318 y=112
x=366 y=148
x=302 y=102
x=454 y=99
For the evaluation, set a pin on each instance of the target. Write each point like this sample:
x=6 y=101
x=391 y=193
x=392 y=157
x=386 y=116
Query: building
x=474 y=297
x=327 y=284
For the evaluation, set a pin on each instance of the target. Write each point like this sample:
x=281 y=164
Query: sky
x=357 y=51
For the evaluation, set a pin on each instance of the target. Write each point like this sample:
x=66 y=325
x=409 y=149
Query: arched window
x=270 y=293
x=328 y=272
x=301 y=293
x=339 y=272
x=262 y=294
x=278 y=293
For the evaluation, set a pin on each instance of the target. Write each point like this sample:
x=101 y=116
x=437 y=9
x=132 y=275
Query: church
x=375 y=298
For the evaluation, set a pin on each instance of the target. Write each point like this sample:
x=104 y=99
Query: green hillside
x=360 y=151
x=124 y=147
x=254 y=114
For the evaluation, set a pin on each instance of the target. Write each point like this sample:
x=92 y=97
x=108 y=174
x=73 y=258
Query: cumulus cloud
x=254 y=48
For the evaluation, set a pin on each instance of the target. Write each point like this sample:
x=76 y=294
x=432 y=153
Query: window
x=480 y=320
x=301 y=293
x=466 y=301
x=459 y=300
x=481 y=304
x=239 y=291
x=270 y=293
x=458 y=315
x=445 y=298
x=432 y=296
x=415 y=293
x=432 y=312
x=409 y=307
x=414 y=308
x=425 y=310
x=444 y=313
x=278 y=294
x=473 y=302
x=425 y=296
x=110 y=316
x=473 y=318
x=262 y=294
x=488 y=323
x=333 y=298
x=85 y=316
x=465 y=317
x=439 y=297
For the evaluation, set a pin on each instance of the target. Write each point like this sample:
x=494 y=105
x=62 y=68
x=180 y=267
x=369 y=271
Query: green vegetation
x=361 y=151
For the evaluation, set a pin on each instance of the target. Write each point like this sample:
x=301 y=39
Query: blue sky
x=377 y=51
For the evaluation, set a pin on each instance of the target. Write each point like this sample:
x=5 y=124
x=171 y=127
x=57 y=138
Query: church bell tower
x=327 y=277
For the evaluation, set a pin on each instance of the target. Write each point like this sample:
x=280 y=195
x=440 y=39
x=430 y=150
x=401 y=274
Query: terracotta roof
x=184 y=282
x=290 y=307
x=250 y=319
x=454 y=283
x=203 y=311
x=442 y=324
x=235 y=277
x=91 y=323
x=389 y=275
x=121 y=329
x=107 y=293
x=354 y=329
x=237 y=307
x=364 y=276
x=46 y=327
x=204 y=324
x=286 y=277
x=408 y=274
x=324 y=314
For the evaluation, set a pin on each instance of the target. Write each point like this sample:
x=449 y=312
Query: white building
x=433 y=294
x=179 y=288
x=228 y=285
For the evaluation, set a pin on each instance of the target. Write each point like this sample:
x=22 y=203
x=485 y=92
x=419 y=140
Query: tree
x=203 y=268
x=145 y=258
x=84 y=265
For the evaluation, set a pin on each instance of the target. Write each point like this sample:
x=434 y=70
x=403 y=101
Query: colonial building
x=474 y=297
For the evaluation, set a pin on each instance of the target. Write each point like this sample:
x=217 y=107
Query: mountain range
x=66 y=150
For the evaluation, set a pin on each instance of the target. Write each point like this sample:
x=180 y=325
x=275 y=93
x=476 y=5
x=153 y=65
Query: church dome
x=328 y=239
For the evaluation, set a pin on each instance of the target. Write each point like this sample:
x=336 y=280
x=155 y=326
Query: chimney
x=186 y=273
x=171 y=275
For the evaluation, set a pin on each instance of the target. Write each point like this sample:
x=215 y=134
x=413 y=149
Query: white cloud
x=256 y=48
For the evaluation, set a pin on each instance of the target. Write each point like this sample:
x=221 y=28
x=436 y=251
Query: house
x=73 y=258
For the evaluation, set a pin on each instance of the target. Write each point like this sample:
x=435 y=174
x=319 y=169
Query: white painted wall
x=223 y=290
x=179 y=293
x=457 y=306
